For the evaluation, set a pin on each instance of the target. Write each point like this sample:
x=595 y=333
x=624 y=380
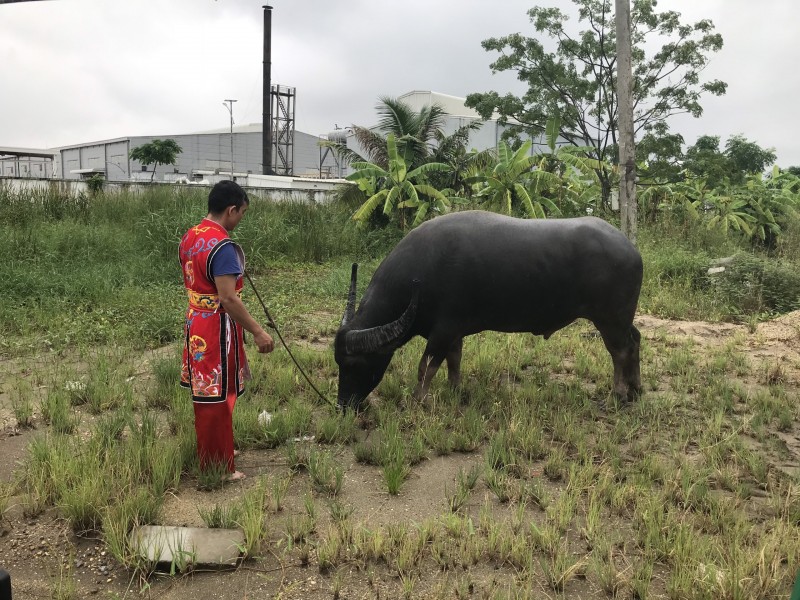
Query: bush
x=756 y=285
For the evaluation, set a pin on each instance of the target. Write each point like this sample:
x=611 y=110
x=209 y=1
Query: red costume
x=214 y=362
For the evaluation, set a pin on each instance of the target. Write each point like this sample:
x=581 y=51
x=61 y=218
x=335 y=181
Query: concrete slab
x=187 y=545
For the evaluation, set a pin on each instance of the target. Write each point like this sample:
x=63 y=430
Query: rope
x=271 y=323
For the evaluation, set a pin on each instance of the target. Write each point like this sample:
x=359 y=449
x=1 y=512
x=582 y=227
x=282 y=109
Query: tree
x=505 y=186
x=398 y=187
x=740 y=158
x=748 y=158
x=157 y=152
x=704 y=159
x=660 y=158
x=452 y=151
x=794 y=170
x=419 y=136
x=577 y=81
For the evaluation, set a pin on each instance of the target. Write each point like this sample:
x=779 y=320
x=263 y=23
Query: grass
x=567 y=489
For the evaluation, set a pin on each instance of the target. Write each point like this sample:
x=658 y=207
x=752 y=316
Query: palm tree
x=452 y=150
x=419 y=135
x=413 y=132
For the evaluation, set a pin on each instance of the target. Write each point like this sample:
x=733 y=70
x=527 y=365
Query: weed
x=220 y=517
x=329 y=550
x=212 y=477
x=337 y=428
x=279 y=488
x=394 y=474
x=340 y=516
x=560 y=566
x=63 y=585
x=22 y=403
x=326 y=476
x=251 y=518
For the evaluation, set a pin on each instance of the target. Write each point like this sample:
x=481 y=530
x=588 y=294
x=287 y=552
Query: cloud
x=82 y=70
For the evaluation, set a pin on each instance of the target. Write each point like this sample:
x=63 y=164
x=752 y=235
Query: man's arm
x=226 y=288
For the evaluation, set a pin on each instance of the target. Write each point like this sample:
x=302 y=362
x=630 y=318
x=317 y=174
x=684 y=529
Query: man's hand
x=226 y=287
x=264 y=342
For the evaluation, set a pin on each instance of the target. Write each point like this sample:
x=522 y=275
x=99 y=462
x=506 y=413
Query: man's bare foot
x=236 y=453
x=236 y=476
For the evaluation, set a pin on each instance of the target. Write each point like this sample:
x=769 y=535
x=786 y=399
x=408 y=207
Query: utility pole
x=229 y=105
x=627 y=148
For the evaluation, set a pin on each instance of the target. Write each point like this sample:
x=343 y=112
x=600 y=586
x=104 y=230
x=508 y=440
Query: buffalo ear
x=350 y=308
x=384 y=338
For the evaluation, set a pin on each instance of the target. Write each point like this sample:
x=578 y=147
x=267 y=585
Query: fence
x=297 y=189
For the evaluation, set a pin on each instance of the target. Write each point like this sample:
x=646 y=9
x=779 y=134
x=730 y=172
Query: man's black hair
x=224 y=194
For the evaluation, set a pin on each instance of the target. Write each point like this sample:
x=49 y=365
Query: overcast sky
x=74 y=71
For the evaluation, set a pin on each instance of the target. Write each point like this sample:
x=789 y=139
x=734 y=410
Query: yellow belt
x=199 y=301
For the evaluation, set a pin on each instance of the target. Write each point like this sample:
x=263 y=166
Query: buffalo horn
x=350 y=309
x=383 y=337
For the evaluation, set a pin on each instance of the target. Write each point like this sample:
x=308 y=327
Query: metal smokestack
x=266 y=128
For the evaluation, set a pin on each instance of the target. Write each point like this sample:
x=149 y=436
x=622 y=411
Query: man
x=214 y=362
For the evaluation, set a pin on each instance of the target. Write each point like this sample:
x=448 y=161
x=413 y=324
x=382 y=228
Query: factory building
x=208 y=155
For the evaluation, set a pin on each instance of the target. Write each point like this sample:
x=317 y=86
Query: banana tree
x=564 y=173
x=399 y=188
x=730 y=212
x=505 y=186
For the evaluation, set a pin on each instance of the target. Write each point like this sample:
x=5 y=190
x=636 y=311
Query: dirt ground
x=40 y=551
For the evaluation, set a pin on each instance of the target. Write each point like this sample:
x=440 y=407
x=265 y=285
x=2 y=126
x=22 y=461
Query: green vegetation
x=577 y=80
x=157 y=152
x=556 y=486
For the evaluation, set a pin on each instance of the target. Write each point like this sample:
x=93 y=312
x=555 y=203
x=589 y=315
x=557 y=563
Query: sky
x=74 y=71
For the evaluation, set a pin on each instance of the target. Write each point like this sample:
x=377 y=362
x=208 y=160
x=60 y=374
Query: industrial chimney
x=266 y=97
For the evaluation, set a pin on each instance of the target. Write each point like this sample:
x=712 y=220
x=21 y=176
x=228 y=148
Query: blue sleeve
x=225 y=262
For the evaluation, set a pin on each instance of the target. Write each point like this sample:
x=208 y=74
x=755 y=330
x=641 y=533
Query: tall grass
x=83 y=270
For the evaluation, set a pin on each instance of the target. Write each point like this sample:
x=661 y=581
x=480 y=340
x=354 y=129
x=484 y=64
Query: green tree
x=420 y=139
x=794 y=170
x=748 y=158
x=705 y=159
x=564 y=174
x=157 y=152
x=398 y=187
x=740 y=159
x=505 y=187
x=660 y=158
x=578 y=81
x=452 y=151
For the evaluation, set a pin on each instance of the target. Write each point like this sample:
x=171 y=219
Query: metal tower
x=283 y=102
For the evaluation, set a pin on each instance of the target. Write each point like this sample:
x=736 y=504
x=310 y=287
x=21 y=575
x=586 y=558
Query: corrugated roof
x=32 y=152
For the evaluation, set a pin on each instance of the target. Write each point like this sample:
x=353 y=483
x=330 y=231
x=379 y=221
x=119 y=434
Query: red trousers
x=213 y=424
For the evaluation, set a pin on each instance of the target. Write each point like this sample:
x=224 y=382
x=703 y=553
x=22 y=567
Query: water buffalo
x=472 y=271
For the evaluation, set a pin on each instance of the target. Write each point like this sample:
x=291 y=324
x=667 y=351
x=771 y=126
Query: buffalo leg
x=623 y=345
x=432 y=359
x=454 y=363
x=428 y=365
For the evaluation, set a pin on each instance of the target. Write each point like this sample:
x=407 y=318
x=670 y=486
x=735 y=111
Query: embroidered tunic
x=214 y=360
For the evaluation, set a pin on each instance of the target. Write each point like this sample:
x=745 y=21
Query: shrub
x=754 y=285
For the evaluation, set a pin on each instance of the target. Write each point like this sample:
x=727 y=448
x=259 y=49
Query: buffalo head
x=363 y=354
